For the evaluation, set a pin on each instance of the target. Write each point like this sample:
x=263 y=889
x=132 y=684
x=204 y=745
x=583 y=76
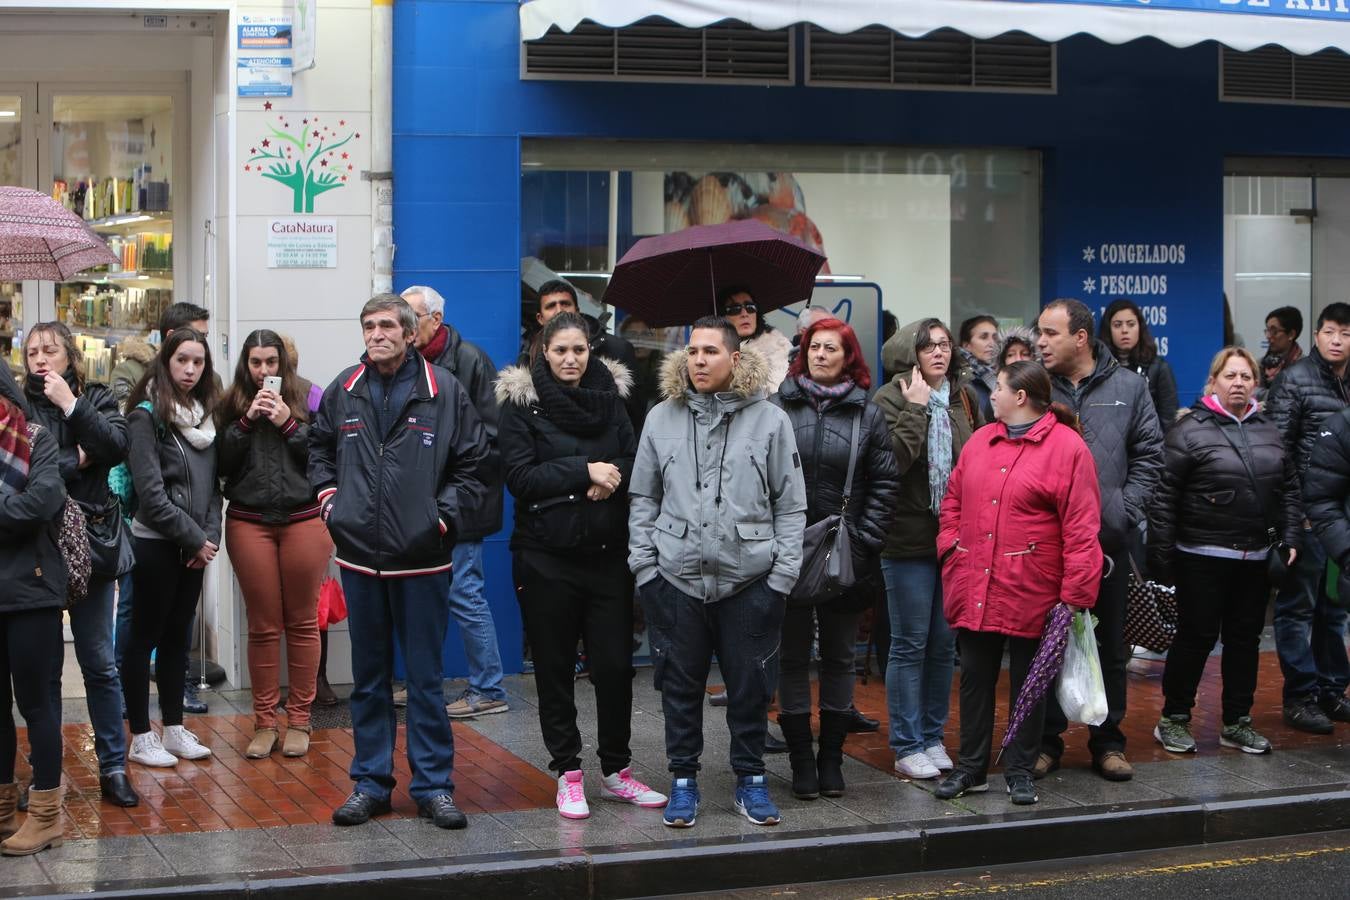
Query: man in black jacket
x=441 y=345
x=396 y=451
x=1121 y=429
x=1309 y=627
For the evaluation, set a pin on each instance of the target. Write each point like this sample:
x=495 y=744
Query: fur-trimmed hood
x=136 y=348
x=1020 y=334
x=749 y=377
x=515 y=384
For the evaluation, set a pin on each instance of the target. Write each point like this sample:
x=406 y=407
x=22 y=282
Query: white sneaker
x=917 y=766
x=937 y=755
x=147 y=750
x=623 y=787
x=572 y=796
x=183 y=743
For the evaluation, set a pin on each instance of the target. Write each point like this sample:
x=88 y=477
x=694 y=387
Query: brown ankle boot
x=263 y=743
x=9 y=804
x=43 y=826
x=297 y=741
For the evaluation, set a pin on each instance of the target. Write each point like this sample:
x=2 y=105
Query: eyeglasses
x=1272 y=331
x=423 y=315
x=944 y=346
x=736 y=309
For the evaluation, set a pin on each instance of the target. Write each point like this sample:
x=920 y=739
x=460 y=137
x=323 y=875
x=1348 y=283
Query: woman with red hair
x=824 y=394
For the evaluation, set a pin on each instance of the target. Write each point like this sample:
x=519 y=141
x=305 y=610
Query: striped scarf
x=15 y=448
x=822 y=395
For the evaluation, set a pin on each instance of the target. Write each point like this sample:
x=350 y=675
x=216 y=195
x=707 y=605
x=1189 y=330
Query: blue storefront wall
x=1132 y=145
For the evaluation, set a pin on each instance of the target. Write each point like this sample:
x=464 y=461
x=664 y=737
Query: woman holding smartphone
x=176 y=533
x=279 y=546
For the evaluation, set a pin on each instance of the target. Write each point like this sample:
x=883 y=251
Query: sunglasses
x=736 y=309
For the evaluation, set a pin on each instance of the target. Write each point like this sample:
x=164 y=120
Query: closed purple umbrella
x=673 y=279
x=40 y=239
x=1041 y=673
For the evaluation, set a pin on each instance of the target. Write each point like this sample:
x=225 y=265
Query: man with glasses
x=1283 y=327
x=1309 y=628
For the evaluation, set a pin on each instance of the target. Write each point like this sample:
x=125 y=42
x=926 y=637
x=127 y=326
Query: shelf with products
x=103 y=313
x=133 y=222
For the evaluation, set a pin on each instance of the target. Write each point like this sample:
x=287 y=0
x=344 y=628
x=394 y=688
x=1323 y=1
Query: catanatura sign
x=1137 y=271
x=302 y=243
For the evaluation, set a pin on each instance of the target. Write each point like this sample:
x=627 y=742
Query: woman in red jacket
x=1017 y=534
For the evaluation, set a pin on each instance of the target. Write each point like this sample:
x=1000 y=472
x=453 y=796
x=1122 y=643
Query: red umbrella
x=41 y=239
x=673 y=279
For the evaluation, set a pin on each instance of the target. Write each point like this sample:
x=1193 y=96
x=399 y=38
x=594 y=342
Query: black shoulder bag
x=827 y=551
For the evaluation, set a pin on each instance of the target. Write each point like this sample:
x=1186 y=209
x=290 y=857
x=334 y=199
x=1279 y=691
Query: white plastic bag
x=1080 y=690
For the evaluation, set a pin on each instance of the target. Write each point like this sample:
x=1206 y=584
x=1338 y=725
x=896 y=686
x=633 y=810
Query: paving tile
x=23 y=871
x=547 y=830
x=485 y=834
x=1208 y=786
x=232 y=851
x=81 y=873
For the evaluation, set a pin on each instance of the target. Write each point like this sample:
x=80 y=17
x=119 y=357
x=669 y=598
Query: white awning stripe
x=1054 y=20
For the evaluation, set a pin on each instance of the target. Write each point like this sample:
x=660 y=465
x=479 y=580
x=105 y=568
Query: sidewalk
x=228 y=824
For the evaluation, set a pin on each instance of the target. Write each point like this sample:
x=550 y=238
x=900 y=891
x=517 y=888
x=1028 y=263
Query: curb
x=692 y=865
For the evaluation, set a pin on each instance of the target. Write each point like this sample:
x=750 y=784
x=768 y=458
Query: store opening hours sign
x=302 y=243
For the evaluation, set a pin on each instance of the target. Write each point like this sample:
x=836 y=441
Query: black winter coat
x=475 y=372
x=97 y=425
x=31 y=568
x=386 y=501
x=1302 y=397
x=265 y=469
x=1206 y=496
x=547 y=474
x=177 y=494
x=823 y=445
x=1326 y=488
x=1162 y=388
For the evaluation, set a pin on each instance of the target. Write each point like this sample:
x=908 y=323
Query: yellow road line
x=960 y=890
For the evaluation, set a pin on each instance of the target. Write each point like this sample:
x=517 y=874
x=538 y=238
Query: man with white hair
x=441 y=345
x=805 y=319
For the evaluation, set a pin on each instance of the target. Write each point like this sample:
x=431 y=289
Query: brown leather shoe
x=1045 y=764
x=263 y=743
x=1113 y=766
x=297 y=741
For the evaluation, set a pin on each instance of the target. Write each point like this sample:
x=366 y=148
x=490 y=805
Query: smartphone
x=272 y=383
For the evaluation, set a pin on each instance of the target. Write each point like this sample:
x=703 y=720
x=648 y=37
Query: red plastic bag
x=332 y=603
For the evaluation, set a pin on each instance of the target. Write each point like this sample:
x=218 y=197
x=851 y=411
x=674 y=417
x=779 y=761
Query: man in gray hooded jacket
x=718 y=507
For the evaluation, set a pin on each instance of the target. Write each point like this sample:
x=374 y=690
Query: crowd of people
x=992 y=477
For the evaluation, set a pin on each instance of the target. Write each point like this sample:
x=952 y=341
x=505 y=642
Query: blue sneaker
x=682 y=807
x=752 y=800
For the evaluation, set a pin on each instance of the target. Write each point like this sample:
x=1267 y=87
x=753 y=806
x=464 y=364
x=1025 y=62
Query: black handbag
x=1150 y=613
x=110 y=550
x=827 y=551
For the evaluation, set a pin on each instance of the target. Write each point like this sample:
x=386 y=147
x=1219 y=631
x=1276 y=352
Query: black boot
x=830 y=759
x=797 y=733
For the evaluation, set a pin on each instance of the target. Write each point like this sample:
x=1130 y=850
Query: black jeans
x=744 y=631
x=563 y=599
x=981 y=662
x=838 y=635
x=166 y=594
x=30 y=648
x=1110 y=630
x=1216 y=597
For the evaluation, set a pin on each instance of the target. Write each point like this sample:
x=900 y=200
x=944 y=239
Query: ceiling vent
x=1275 y=75
x=943 y=60
x=655 y=49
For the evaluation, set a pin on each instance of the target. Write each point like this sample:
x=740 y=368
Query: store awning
x=1302 y=26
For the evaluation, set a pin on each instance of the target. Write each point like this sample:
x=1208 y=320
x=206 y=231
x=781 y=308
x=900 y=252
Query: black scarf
x=582 y=410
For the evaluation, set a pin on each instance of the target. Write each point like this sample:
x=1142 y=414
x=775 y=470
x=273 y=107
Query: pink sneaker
x=572 y=796
x=624 y=788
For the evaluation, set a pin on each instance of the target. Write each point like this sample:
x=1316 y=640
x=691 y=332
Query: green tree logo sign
x=307 y=160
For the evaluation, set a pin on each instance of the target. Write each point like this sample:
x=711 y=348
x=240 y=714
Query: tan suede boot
x=43 y=826
x=263 y=743
x=297 y=741
x=9 y=804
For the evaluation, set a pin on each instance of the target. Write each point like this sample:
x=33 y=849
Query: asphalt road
x=1306 y=867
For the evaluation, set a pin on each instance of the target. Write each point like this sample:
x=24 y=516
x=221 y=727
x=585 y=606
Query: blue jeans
x=91 y=624
x=1310 y=630
x=470 y=609
x=122 y=629
x=922 y=657
x=417 y=609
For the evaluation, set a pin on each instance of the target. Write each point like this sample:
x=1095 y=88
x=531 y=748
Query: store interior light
x=839 y=278
x=605 y=275
x=127 y=220
x=7 y=113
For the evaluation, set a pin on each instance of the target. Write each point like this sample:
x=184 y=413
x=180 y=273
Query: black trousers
x=1110 y=631
x=1216 y=597
x=166 y=593
x=981 y=662
x=563 y=599
x=30 y=649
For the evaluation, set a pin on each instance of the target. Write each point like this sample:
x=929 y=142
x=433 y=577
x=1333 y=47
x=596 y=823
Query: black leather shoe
x=718 y=699
x=1336 y=708
x=861 y=724
x=117 y=790
x=442 y=811
x=1306 y=715
x=773 y=744
x=358 y=809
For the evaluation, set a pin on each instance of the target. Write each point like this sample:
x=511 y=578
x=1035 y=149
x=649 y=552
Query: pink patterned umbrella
x=41 y=239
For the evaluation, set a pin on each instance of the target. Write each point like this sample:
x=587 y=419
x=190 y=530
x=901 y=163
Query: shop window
x=655 y=49
x=11 y=173
x=948 y=232
x=943 y=60
x=1275 y=75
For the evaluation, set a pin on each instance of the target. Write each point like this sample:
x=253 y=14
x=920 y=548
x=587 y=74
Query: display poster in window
x=302 y=243
x=265 y=58
x=305 y=16
x=264 y=76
